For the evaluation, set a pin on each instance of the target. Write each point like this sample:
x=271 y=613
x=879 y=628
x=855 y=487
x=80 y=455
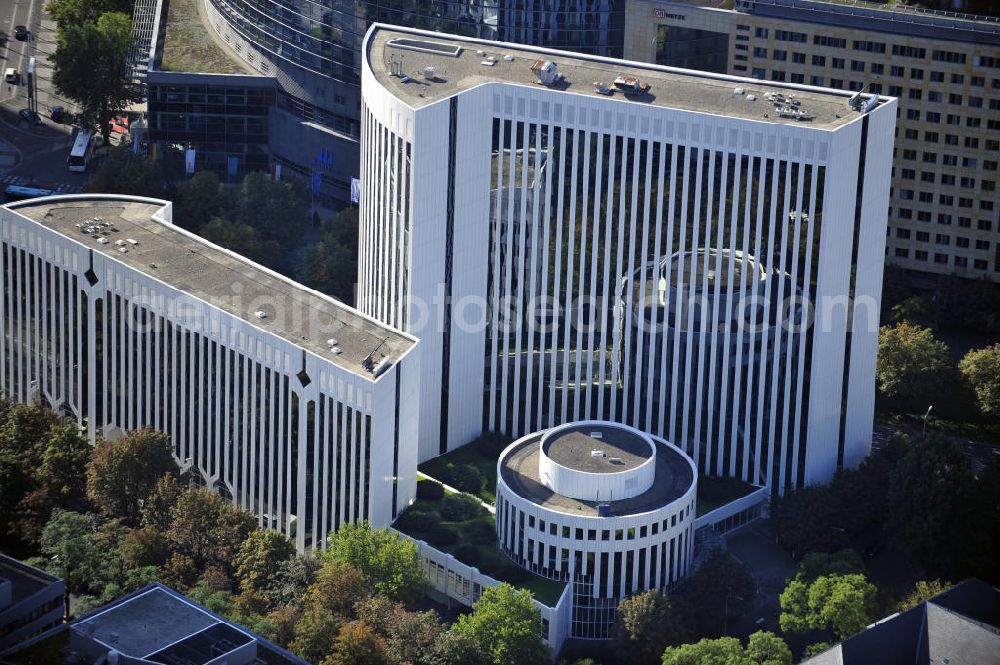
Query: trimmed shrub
x=464 y=478
x=441 y=535
x=459 y=507
x=417 y=521
x=511 y=574
x=491 y=444
x=428 y=490
x=479 y=533
x=468 y=554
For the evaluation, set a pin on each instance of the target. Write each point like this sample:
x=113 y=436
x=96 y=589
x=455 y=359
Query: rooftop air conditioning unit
x=546 y=72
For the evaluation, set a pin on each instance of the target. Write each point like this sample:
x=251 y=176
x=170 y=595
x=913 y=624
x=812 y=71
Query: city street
x=32 y=155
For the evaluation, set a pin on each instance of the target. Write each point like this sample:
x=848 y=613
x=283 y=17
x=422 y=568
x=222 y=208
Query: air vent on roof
x=597 y=453
x=597 y=434
x=382 y=366
x=425 y=46
x=546 y=72
x=260 y=314
x=614 y=460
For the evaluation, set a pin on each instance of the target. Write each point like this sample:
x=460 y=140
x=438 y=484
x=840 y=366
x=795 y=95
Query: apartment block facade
x=944 y=210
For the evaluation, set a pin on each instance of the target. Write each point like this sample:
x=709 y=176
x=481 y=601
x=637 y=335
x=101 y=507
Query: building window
x=780 y=55
x=838 y=63
x=941 y=258
x=835 y=42
x=799 y=58
x=902 y=252
x=909 y=51
x=819 y=60
x=760 y=33
x=917 y=74
x=937 y=77
x=961 y=261
x=759 y=52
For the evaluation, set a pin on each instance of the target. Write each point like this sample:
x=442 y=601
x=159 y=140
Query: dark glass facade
x=226 y=125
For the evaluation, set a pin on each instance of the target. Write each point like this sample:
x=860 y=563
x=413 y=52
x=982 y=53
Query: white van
x=10 y=75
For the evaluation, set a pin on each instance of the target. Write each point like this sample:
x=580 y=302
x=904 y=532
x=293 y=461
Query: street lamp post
x=926 y=416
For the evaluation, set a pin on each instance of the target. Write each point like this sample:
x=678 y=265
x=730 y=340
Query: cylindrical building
x=602 y=506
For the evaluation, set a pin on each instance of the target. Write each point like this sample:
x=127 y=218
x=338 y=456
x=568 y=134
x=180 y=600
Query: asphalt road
x=31 y=155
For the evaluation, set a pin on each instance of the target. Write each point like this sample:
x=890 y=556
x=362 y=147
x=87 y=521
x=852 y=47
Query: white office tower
x=695 y=255
x=289 y=403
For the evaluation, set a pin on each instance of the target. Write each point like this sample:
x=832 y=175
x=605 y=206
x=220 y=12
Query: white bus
x=79 y=156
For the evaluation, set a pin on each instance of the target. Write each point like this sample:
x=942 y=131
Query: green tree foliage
x=158 y=508
x=124 y=472
x=457 y=648
x=842 y=604
x=924 y=590
x=273 y=208
x=259 y=556
x=766 y=648
x=977 y=544
x=357 y=644
x=981 y=369
x=78 y=12
x=763 y=648
x=647 y=623
x=72 y=547
x=711 y=597
x=815 y=649
x=198 y=200
x=208 y=529
x=927 y=494
x=63 y=470
x=338 y=587
x=817 y=564
x=389 y=564
x=124 y=172
x=89 y=65
x=912 y=369
x=849 y=512
x=315 y=633
x=242 y=239
x=41 y=465
x=505 y=624
x=331 y=264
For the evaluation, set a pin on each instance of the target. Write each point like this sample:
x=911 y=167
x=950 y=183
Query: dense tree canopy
x=927 y=495
x=89 y=66
x=390 y=564
x=124 y=472
x=763 y=648
x=841 y=604
x=259 y=557
x=124 y=172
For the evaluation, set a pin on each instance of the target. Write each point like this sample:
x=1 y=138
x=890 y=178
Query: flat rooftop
x=190 y=45
x=688 y=90
x=226 y=281
x=572 y=449
x=519 y=470
x=25 y=580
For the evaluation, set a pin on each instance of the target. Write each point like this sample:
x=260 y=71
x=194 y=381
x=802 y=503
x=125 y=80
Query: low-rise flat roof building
x=152 y=625
x=31 y=601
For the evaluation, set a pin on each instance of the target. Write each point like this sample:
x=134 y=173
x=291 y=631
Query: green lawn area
x=471 y=468
x=461 y=526
x=187 y=45
x=714 y=492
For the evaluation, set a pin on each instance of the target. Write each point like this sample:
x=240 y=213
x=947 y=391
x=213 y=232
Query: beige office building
x=944 y=214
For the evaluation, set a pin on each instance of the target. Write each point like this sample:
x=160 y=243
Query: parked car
x=20 y=33
x=30 y=117
x=58 y=114
x=11 y=75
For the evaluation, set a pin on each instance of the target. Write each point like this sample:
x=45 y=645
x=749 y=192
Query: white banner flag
x=355 y=190
x=189 y=161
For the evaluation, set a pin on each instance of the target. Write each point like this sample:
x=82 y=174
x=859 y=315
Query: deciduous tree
x=208 y=529
x=357 y=644
x=506 y=625
x=258 y=558
x=389 y=563
x=981 y=368
x=842 y=604
x=123 y=473
x=89 y=66
x=912 y=366
x=926 y=498
x=647 y=624
x=923 y=590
